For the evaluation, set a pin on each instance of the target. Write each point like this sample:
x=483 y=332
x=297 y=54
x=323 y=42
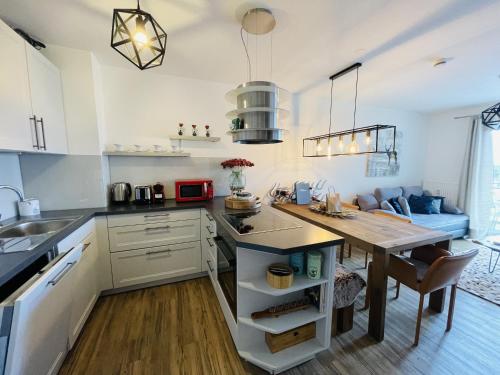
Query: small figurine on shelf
x=181 y=129
x=195 y=132
x=207 y=129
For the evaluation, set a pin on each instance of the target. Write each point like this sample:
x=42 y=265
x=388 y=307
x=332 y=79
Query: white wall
x=446 y=142
x=10 y=174
x=348 y=173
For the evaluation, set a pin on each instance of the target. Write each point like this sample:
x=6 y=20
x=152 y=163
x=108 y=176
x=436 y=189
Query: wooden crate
x=281 y=341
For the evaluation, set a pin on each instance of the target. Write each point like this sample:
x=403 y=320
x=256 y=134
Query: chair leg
x=334 y=322
x=419 y=319
x=341 y=255
x=452 y=307
x=366 y=259
x=368 y=288
x=398 y=284
x=350 y=250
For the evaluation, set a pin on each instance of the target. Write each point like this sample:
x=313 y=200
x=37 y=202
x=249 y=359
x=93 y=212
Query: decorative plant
x=237 y=180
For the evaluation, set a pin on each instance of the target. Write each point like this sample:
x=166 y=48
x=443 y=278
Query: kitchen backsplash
x=10 y=174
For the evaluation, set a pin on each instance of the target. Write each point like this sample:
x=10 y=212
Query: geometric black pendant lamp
x=138 y=37
x=491 y=117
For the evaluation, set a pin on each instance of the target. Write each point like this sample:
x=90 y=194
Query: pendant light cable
x=355 y=99
x=248 y=56
x=331 y=106
x=271 y=56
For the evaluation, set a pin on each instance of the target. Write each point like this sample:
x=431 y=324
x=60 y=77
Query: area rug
x=476 y=279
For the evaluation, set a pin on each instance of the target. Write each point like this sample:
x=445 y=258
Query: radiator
x=449 y=190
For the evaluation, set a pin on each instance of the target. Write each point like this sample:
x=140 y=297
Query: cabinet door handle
x=153 y=216
x=158 y=252
x=210 y=229
x=157 y=228
x=210 y=266
x=43 y=134
x=85 y=246
x=61 y=274
x=37 y=146
x=210 y=242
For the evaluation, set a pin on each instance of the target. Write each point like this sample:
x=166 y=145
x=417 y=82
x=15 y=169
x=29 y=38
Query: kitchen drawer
x=208 y=242
x=208 y=223
x=212 y=268
x=142 y=236
x=157 y=263
x=152 y=217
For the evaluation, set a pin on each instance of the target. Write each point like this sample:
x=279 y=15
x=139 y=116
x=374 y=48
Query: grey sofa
x=451 y=219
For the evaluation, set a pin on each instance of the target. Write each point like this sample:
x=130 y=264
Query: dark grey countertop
x=307 y=237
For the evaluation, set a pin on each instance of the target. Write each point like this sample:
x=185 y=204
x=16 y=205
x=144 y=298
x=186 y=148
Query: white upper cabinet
x=47 y=103
x=15 y=109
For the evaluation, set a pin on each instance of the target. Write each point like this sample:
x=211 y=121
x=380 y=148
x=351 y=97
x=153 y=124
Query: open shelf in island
x=259 y=284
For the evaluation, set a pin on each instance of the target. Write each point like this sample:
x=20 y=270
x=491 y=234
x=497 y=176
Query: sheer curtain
x=476 y=183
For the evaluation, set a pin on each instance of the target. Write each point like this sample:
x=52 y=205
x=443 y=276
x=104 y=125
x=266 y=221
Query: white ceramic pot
x=29 y=207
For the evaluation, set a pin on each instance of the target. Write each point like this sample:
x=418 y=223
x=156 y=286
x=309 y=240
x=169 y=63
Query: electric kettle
x=121 y=192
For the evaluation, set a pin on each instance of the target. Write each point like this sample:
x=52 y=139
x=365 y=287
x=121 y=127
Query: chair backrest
x=446 y=271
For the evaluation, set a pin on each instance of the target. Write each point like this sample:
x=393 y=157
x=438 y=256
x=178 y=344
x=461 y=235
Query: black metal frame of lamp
x=120 y=35
x=491 y=117
x=373 y=129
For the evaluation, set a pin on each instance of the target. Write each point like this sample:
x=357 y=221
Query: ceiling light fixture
x=311 y=145
x=138 y=37
x=257 y=115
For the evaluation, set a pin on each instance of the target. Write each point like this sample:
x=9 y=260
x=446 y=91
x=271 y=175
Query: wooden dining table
x=381 y=236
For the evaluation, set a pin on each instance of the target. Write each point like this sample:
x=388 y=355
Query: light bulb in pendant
x=341 y=143
x=329 y=150
x=140 y=35
x=353 y=147
x=368 y=139
x=318 y=146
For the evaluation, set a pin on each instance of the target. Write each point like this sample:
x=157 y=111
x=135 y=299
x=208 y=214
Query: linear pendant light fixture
x=138 y=37
x=257 y=117
x=334 y=144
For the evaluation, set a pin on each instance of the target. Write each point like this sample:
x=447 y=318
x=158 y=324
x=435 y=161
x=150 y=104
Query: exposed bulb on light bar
x=368 y=139
x=341 y=143
x=318 y=146
x=353 y=147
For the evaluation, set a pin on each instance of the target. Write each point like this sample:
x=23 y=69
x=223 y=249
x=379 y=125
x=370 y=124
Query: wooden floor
x=179 y=329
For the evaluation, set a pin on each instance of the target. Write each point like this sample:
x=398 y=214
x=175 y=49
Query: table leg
x=378 y=295
x=436 y=300
x=341 y=255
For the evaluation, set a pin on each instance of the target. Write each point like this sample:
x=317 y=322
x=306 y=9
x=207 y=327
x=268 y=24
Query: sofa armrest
x=392 y=215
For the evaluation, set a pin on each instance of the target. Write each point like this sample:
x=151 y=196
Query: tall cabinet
x=31 y=100
x=15 y=105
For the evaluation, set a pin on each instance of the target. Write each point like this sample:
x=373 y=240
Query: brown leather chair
x=429 y=268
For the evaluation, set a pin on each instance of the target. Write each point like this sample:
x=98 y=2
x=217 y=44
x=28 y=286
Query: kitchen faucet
x=14 y=189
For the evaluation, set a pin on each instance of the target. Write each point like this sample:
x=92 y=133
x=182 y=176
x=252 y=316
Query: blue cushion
x=424 y=204
x=395 y=204
x=444 y=222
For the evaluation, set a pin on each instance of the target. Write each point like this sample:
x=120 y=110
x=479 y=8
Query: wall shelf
x=192 y=138
x=284 y=322
x=147 y=154
x=261 y=285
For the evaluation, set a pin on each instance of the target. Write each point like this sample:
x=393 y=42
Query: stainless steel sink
x=35 y=227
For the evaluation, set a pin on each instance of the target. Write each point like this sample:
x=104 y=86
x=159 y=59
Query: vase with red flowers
x=237 y=180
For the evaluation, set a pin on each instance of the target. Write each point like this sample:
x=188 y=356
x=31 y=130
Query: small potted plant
x=237 y=180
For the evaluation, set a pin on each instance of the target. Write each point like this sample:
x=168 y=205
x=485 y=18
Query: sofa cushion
x=412 y=190
x=367 y=202
x=395 y=204
x=445 y=222
x=449 y=208
x=383 y=194
x=403 y=202
x=386 y=206
x=424 y=204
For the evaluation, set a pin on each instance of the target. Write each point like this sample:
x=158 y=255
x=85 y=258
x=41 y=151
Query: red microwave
x=194 y=190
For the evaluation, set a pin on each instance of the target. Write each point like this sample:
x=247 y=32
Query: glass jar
x=237 y=180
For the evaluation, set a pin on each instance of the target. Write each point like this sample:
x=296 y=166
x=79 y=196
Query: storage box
x=281 y=341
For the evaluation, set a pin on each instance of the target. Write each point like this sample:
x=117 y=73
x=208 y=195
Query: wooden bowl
x=280 y=275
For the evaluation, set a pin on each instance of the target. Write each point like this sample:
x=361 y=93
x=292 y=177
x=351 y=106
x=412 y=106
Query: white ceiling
x=396 y=40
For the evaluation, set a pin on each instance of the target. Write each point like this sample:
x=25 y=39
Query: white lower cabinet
x=156 y=263
x=40 y=322
x=86 y=289
x=208 y=232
